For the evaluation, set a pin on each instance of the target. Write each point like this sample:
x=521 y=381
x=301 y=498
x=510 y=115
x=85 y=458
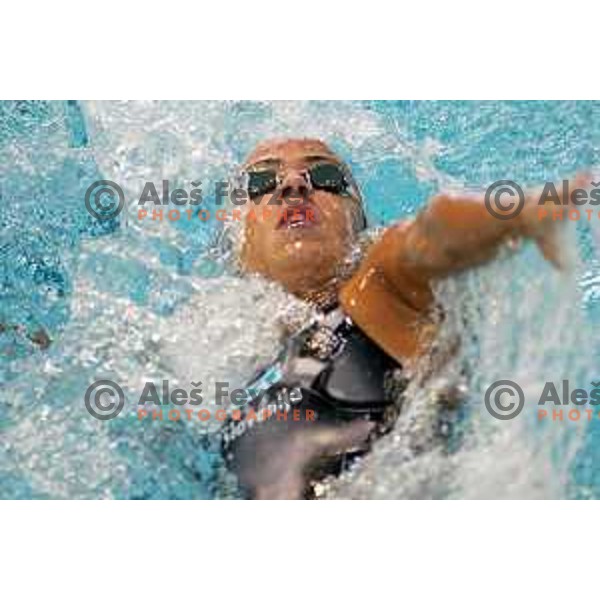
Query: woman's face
x=304 y=250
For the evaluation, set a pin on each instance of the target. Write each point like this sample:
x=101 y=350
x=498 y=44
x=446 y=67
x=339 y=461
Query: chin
x=309 y=253
x=309 y=268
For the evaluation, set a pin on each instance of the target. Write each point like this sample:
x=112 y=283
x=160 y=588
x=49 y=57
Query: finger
x=555 y=250
x=550 y=252
x=582 y=180
x=331 y=440
x=290 y=487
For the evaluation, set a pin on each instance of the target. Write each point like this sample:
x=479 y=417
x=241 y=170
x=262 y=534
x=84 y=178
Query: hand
x=273 y=461
x=542 y=223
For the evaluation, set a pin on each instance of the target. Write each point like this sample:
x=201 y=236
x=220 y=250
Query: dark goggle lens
x=325 y=176
x=329 y=177
x=261 y=182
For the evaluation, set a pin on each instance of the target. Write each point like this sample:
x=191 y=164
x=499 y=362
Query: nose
x=296 y=186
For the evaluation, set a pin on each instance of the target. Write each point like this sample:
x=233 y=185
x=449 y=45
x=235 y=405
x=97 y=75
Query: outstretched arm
x=454 y=233
x=449 y=235
x=391 y=295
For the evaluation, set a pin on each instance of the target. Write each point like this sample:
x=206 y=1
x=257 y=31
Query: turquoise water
x=134 y=301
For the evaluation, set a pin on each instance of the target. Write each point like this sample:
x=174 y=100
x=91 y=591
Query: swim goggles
x=326 y=176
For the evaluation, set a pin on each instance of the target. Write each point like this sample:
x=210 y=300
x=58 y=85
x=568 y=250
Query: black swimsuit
x=329 y=373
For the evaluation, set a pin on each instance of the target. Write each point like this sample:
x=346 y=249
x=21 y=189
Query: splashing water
x=133 y=301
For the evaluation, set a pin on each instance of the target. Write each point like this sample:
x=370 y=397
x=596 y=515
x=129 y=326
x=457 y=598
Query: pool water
x=135 y=301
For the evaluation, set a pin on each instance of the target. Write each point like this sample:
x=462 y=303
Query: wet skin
x=304 y=258
x=389 y=296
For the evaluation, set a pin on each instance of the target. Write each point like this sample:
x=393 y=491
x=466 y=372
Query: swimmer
x=377 y=320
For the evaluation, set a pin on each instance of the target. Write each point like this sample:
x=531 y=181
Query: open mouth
x=297 y=217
